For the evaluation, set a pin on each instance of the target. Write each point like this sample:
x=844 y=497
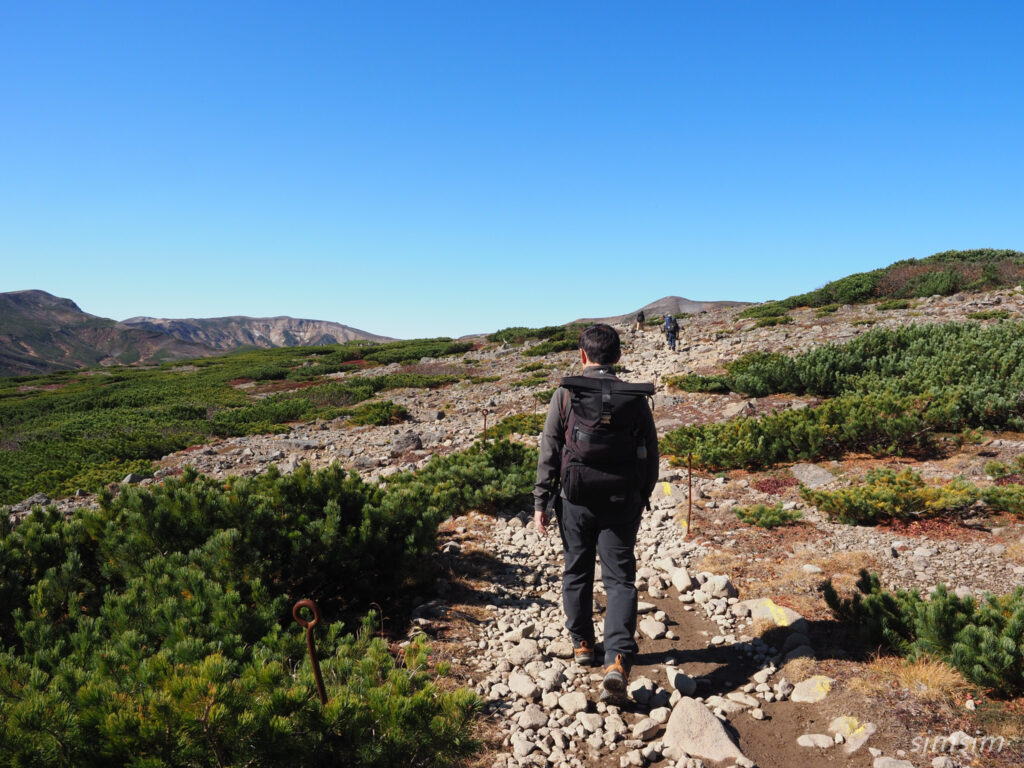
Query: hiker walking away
x=671 y=328
x=640 y=319
x=597 y=467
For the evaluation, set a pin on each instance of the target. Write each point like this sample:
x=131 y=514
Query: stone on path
x=532 y=718
x=812 y=475
x=812 y=690
x=524 y=686
x=681 y=681
x=819 y=740
x=765 y=609
x=692 y=730
x=853 y=731
x=682 y=580
x=653 y=629
x=646 y=729
x=524 y=653
x=560 y=649
x=891 y=762
x=572 y=703
x=719 y=586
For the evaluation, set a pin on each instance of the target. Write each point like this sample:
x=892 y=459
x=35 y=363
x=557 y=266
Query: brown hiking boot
x=584 y=653
x=615 y=678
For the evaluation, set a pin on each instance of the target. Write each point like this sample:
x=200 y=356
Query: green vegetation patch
x=160 y=624
x=553 y=338
x=764 y=516
x=886 y=494
x=940 y=274
x=517 y=424
x=983 y=638
x=891 y=392
x=990 y=314
x=85 y=429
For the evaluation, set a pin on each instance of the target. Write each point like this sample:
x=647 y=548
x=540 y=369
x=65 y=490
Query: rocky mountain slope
x=227 y=333
x=741 y=663
x=40 y=332
x=667 y=305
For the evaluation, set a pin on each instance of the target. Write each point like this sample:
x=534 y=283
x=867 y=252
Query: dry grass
x=798 y=669
x=720 y=562
x=1015 y=551
x=928 y=680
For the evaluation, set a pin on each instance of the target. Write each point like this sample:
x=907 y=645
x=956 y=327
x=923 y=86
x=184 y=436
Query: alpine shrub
x=983 y=639
x=886 y=494
x=764 y=516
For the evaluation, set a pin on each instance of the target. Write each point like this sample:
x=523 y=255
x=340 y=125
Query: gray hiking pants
x=611 y=533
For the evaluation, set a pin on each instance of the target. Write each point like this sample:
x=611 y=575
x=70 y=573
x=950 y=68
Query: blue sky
x=441 y=168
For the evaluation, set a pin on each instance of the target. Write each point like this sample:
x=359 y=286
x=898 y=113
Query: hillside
x=733 y=619
x=40 y=332
x=228 y=333
x=668 y=305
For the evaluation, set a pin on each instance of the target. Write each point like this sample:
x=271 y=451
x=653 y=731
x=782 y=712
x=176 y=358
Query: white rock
x=819 y=740
x=692 y=730
x=812 y=690
x=523 y=685
x=646 y=729
x=573 y=703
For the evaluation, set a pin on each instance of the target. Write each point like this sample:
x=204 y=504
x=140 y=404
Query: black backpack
x=605 y=454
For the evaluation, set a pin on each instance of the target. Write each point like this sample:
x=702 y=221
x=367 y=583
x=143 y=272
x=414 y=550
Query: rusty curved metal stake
x=309 y=642
x=485 y=412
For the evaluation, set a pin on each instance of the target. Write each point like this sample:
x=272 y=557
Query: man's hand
x=540 y=521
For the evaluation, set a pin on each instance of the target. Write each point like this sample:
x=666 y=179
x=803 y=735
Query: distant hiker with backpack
x=671 y=328
x=640 y=320
x=597 y=468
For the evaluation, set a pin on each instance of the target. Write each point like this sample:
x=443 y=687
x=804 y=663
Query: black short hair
x=601 y=343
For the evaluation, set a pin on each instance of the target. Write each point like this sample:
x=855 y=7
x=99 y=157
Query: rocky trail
x=740 y=660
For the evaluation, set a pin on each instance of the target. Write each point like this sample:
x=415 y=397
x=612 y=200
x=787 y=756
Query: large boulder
x=694 y=731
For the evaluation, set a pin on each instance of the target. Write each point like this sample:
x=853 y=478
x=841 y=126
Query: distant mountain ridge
x=40 y=332
x=673 y=305
x=227 y=333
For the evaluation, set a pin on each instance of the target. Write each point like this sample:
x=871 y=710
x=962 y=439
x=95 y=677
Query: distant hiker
x=597 y=467
x=671 y=328
x=640 y=319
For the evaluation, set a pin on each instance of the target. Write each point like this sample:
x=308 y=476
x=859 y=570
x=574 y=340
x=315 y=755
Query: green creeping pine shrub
x=892 y=304
x=532 y=381
x=924 y=379
x=652 y=321
x=999 y=469
x=91 y=428
x=554 y=333
x=548 y=347
x=691 y=382
x=531 y=367
x=769 y=309
x=766 y=322
x=518 y=424
x=886 y=494
x=983 y=639
x=990 y=314
x=828 y=309
x=156 y=630
x=767 y=517
x=880 y=422
x=1005 y=498
x=545 y=395
x=381 y=413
